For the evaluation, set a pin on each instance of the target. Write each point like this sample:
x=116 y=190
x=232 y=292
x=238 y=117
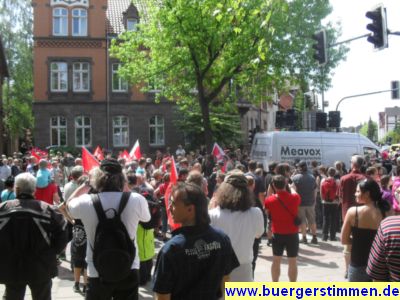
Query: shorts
x=307 y=213
x=290 y=242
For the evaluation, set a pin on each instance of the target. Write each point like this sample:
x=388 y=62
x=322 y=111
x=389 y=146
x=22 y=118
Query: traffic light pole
x=360 y=95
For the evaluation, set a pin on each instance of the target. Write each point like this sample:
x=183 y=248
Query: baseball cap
x=111 y=166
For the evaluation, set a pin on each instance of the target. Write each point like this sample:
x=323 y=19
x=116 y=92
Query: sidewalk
x=322 y=262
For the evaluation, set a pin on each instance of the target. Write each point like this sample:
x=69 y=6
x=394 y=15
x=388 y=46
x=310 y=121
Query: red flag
x=135 y=152
x=88 y=160
x=125 y=155
x=98 y=153
x=218 y=152
x=167 y=197
x=35 y=155
x=173 y=178
x=223 y=169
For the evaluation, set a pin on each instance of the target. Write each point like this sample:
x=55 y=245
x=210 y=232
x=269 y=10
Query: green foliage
x=195 y=49
x=370 y=130
x=225 y=125
x=16 y=32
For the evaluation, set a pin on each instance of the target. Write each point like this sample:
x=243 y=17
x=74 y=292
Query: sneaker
x=325 y=238
x=333 y=239
x=76 y=287
x=314 y=240
x=84 y=290
x=304 y=240
x=269 y=243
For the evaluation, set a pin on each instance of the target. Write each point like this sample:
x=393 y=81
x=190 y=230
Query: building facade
x=388 y=120
x=79 y=99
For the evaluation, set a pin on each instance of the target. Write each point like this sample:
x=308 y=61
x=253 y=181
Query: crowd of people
x=211 y=221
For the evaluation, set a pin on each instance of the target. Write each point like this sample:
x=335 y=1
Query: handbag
x=296 y=219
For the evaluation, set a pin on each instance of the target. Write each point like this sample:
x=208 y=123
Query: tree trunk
x=205 y=113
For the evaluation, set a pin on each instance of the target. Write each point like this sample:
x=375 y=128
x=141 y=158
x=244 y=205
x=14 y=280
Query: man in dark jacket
x=32 y=233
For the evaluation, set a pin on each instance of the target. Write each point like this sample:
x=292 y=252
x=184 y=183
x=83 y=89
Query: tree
x=370 y=130
x=196 y=49
x=16 y=30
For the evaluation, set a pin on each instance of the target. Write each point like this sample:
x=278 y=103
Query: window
x=60 y=21
x=79 y=22
x=131 y=24
x=58 y=131
x=58 y=77
x=83 y=130
x=81 y=77
x=156 y=127
x=120 y=131
x=118 y=84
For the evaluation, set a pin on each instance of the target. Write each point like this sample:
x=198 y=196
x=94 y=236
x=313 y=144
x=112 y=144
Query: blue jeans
x=358 y=274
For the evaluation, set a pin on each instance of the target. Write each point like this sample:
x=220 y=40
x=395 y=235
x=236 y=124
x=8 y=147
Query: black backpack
x=113 y=249
x=155 y=212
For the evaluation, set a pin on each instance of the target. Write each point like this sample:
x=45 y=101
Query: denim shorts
x=358 y=274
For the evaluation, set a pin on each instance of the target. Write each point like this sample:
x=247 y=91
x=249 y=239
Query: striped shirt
x=384 y=258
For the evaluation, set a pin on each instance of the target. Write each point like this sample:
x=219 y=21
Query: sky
x=365 y=69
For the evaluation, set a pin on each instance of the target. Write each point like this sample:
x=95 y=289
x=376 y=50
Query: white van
x=324 y=147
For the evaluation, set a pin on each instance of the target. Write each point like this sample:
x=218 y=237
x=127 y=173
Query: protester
x=306 y=187
x=347 y=189
x=384 y=256
x=197 y=261
x=283 y=208
x=109 y=182
x=360 y=226
x=239 y=219
x=8 y=193
x=28 y=255
x=330 y=205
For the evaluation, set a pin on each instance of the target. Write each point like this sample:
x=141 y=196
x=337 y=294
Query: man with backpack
x=32 y=233
x=330 y=205
x=111 y=219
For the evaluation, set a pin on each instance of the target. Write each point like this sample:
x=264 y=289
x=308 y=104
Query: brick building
x=79 y=99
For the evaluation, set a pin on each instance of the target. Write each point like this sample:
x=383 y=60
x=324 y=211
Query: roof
x=115 y=14
x=3 y=61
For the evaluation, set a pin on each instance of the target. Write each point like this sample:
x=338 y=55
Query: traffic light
x=378 y=27
x=334 y=119
x=321 y=120
x=290 y=118
x=252 y=133
x=395 y=90
x=280 y=119
x=321 y=54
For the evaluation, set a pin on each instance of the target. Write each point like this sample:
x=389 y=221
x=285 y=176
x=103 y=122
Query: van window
x=372 y=153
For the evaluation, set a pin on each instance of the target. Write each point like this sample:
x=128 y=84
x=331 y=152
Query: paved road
x=322 y=262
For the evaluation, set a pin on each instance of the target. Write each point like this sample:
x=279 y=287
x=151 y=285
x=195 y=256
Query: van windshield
x=373 y=154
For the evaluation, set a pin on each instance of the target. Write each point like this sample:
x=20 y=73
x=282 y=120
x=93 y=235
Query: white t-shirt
x=135 y=210
x=242 y=227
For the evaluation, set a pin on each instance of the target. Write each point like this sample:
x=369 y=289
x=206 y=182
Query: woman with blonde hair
x=236 y=215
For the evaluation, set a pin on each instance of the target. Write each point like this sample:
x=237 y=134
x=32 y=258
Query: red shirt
x=347 y=190
x=46 y=194
x=282 y=220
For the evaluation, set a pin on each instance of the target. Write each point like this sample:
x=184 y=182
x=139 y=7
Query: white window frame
x=82 y=17
x=80 y=72
x=62 y=19
x=59 y=76
x=82 y=128
x=58 y=128
x=159 y=124
x=122 y=84
x=131 y=24
x=120 y=127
